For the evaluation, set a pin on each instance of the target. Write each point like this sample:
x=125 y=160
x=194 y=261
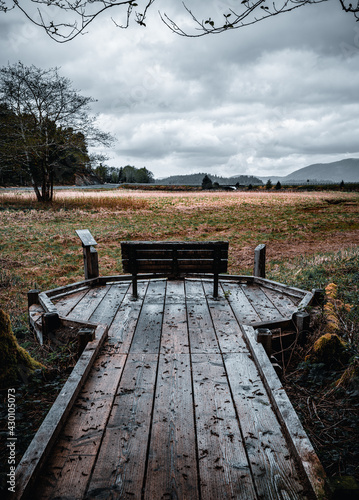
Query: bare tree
x=44 y=122
x=63 y=20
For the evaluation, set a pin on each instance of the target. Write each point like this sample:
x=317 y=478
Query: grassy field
x=40 y=249
x=312 y=240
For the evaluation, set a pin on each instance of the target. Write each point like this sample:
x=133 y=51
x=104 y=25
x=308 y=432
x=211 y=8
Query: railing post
x=302 y=323
x=318 y=296
x=260 y=261
x=32 y=297
x=264 y=337
x=90 y=253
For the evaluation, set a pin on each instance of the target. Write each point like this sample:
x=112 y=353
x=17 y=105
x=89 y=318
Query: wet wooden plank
x=68 y=470
x=107 y=308
x=147 y=335
x=65 y=305
x=299 y=443
x=87 y=305
x=229 y=334
x=42 y=444
x=273 y=468
x=174 y=329
x=261 y=303
x=283 y=302
x=200 y=327
x=223 y=464
x=121 y=464
x=123 y=327
x=172 y=465
x=295 y=293
x=242 y=308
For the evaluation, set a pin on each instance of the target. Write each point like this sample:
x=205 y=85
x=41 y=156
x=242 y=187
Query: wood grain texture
x=147 y=335
x=274 y=471
x=174 y=329
x=181 y=403
x=243 y=309
x=223 y=464
x=121 y=464
x=84 y=309
x=172 y=460
x=200 y=326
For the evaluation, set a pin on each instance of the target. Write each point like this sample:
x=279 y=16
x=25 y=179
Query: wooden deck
x=181 y=402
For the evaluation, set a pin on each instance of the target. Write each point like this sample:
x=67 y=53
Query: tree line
x=126 y=175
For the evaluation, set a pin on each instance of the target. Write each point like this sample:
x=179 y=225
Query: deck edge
x=40 y=447
x=298 y=440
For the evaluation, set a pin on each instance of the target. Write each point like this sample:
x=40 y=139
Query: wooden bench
x=174 y=259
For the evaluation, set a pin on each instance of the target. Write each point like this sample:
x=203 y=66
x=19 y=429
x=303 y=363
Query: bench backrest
x=174 y=258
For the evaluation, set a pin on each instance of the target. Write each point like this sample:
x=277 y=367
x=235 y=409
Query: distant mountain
x=343 y=170
x=196 y=180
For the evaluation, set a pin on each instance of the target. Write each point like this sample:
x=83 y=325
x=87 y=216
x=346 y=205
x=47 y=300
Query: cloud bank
x=263 y=100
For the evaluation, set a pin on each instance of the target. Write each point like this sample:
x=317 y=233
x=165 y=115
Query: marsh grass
x=40 y=249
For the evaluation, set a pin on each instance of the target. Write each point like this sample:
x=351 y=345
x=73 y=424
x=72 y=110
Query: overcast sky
x=267 y=99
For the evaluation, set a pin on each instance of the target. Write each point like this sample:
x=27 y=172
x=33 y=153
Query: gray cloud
x=267 y=99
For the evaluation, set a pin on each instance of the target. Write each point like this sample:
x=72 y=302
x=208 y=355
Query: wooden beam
x=89 y=252
x=264 y=337
x=260 y=261
x=40 y=447
x=298 y=440
x=32 y=297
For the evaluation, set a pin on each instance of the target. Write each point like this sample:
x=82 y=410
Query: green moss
x=344 y=487
x=330 y=350
x=16 y=363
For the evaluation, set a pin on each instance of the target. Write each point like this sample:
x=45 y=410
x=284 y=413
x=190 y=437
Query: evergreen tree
x=206 y=182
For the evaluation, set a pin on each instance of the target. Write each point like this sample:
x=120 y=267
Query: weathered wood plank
x=223 y=465
x=200 y=327
x=283 y=302
x=107 y=308
x=174 y=329
x=47 y=303
x=261 y=303
x=121 y=464
x=65 y=305
x=172 y=465
x=86 y=237
x=273 y=469
x=68 y=470
x=123 y=327
x=229 y=335
x=64 y=290
x=296 y=436
x=89 y=302
x=242 y=308
x=147 y=335
x=290 y=290
x=40 y=447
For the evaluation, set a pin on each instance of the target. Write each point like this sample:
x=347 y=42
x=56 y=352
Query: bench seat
x=174 y=259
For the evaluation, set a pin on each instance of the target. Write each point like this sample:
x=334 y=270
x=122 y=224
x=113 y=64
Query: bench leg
x=134 y=286
x=215 y=286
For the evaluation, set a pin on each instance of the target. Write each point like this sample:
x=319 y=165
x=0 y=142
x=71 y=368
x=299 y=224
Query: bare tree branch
x=63 y=20
x=252 y=12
